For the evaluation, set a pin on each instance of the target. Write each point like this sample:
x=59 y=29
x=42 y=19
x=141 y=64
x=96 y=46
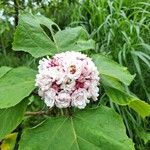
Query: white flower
x=73 y=68
x=41 y=93
x=43 y=80
x=93 y=92
x=63 y=100
x=67 y=79
x=68 y=85
x=43 y=64
x=79 y=98
x=49 y=97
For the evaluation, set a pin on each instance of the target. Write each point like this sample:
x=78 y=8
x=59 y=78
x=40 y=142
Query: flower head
x=67 y=79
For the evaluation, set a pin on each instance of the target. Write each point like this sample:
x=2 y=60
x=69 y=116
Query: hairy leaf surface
x=118 y=95
x=16 y=85
x=11 y=117
x=4 y=70
x=32 y=38
x=97 y=129
x=110 y=68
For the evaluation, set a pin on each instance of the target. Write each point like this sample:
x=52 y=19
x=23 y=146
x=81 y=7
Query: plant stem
x=69 y=111
x=16 y=5
x=61 y=111
x=36 y=113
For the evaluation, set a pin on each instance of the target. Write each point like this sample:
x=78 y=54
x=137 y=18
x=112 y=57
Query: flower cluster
x=67 y=79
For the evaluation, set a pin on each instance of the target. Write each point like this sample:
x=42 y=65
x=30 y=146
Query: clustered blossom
x=67 y=79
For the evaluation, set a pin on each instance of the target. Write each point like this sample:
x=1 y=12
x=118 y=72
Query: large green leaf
x=111 y=74
x=75 y=39
x=93 y=129
x=32 y=38
x=110 y=68
x=16 y=85
x=118 y=95
x=4 y=70
x=11 y=117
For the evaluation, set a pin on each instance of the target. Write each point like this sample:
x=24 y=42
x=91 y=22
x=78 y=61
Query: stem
x=69 y=111
x=53 y=112
x=16 y=5
x=36 y=113
x=3 y=46
x=61 y=111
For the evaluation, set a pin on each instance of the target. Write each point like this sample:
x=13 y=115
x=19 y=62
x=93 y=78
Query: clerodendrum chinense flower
x=67 y=79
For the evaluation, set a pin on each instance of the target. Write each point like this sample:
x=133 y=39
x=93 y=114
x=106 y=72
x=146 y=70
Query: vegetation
x=121 y=31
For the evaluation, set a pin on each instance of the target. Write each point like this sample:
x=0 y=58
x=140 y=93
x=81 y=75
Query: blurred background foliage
x=121 y=29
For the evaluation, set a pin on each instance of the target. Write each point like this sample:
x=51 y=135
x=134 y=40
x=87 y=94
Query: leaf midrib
x=105 y=136
x=74 y=133
x=52 y=137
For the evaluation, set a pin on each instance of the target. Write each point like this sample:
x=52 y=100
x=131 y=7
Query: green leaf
x=16 y=85
x=110 y=68
x=9 y=142
x=31 y=38
x=75 y=39
x=4 y=70
x=11 y=118
x=143 y=56
x=93 y=129
x=140 y=106
x=118 y=95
